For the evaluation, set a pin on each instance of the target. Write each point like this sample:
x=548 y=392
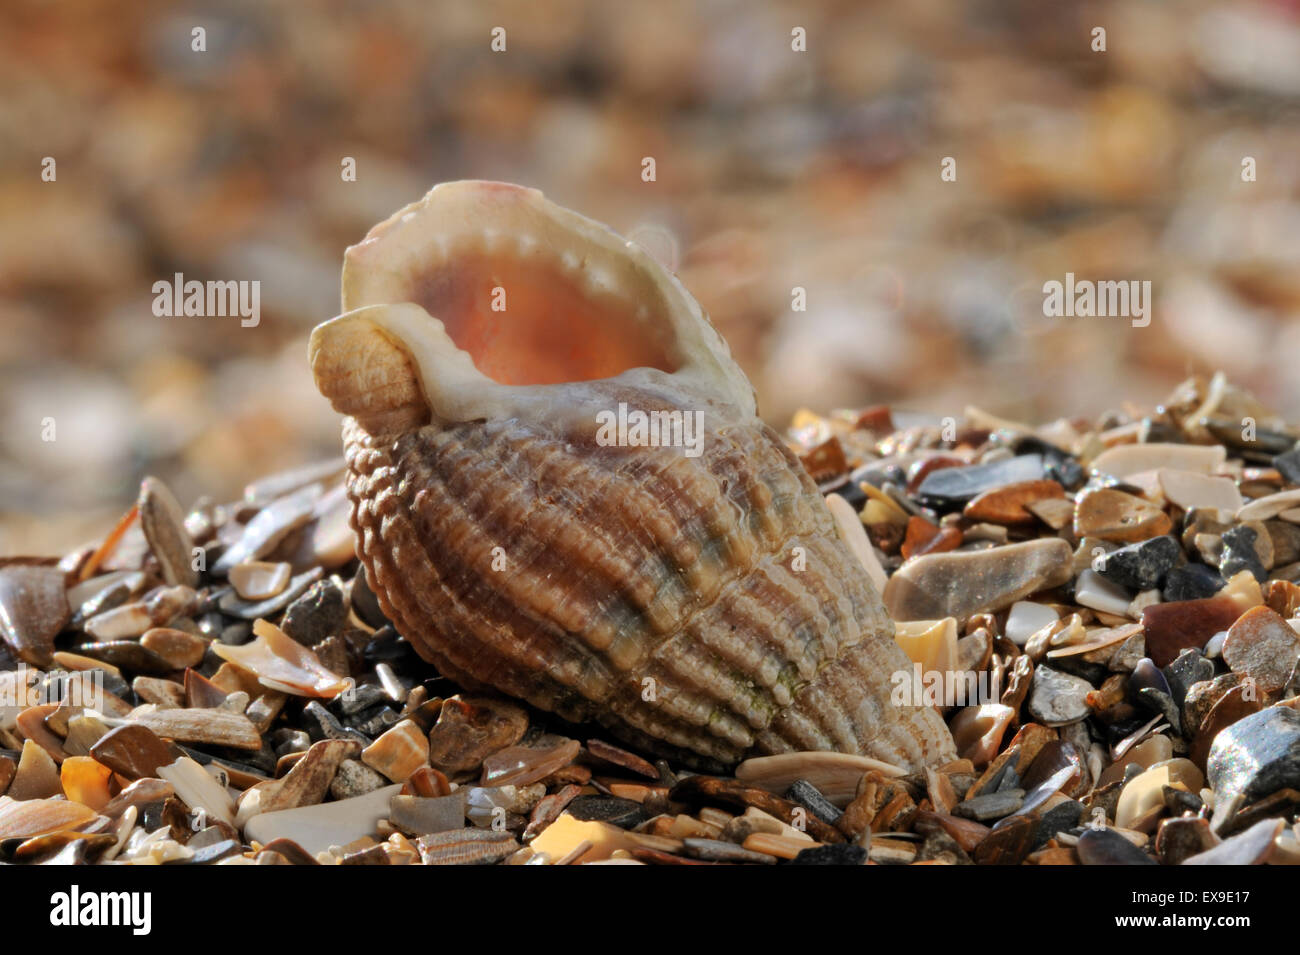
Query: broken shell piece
x=258 y=580
x=326 y=824
x=283 y=664
x=463 y=420
x=398 y=752
x=218 y=727
x=199 y=789
x=24 y=818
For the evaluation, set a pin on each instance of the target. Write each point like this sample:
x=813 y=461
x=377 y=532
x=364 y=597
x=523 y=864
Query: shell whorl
x=651 y=591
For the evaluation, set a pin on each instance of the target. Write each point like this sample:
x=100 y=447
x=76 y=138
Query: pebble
x=1027 y=618
x=1252 y=847
x=1010 y=503
x=1057 y=698
x=804 y=793
x=1113 y=515
x=1143 y=565
x=1170 y=628
x=957 y=485
x=842 y=854
x=133 y=751
x=1108 y=847
x=398 y=752
x=1142 y=798
x=320 y=612
x=1093 y=590
x=1179 y=839
x=1192 y=582
x=716 y=850
x=1244 y=549
x=163 y=524
x=961 y=584
x=421 y=815
x=993 y=805
x=1262 y=646
x=623 y=813
x=177 y=647
x=1253 y=757
x=355 y=778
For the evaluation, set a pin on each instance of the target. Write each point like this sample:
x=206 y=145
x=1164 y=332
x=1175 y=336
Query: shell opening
x=539 y=319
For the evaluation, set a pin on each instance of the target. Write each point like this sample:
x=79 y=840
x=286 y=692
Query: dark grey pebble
x=1192 y=582
x=991 y=806
x=320 y=612
x=951 y=486
x=840 y=853
x=1143 y=565
x=623 y=813
x=1107 y=847
x=1253 y=758
x=810 y=797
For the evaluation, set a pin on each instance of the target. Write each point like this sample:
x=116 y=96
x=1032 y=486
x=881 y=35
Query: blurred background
x=774 y=169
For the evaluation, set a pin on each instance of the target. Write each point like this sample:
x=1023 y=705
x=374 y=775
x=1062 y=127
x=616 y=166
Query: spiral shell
x=690 y=594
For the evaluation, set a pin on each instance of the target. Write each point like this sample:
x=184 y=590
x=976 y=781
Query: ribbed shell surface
x=638 y=587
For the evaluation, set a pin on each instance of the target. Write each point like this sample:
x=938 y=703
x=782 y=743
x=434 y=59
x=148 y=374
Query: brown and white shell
x=687 y=601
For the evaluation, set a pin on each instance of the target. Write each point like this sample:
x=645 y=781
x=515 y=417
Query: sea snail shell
x=657 y=592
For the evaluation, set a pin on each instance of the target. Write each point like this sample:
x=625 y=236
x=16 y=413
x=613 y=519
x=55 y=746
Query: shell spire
x=561 y=490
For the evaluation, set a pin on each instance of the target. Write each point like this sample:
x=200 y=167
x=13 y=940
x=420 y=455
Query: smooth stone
x=1143 y=565
x=623 y=813
x=421 y=815
x=1185 y=672
x=177 y=647
x=326 y=824
x=1262 y=646
x=1170 y=628
x=855 y=537
x=716 y=850
x=993 y=805
x=398 y=752
x=1192 y=582
x=1126 y=459
x=1009 y=842
x=1242 y=551
x=1059 y=815
x=841 y=854
x=1108 y=847
x=1202 y=696
x=960 y=584
x=977 y=731
x=1179 y=839
x=1241 y=701
x=957 y=485
x=1254 y=757
x=355 y=778
x=133 y=751
x=1252 y=847
x=1114 y=515
x=1288 y=463
x=1147 y=675
x=1009 y=504
x=320 y=612
x=1027 y=618
x=1188 y=489
x=810 y=797
x=1057 y=698
x=1097 y=593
